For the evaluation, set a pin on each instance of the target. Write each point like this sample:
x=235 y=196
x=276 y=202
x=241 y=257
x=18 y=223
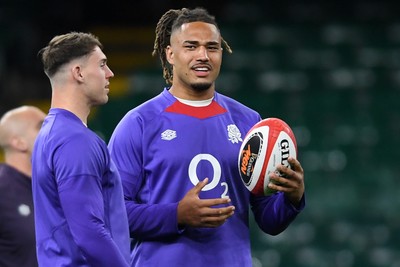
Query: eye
x=214 y=48
x=103 y=63
x=190 y=47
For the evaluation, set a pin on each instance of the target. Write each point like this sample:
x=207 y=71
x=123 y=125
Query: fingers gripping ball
x=268 y=143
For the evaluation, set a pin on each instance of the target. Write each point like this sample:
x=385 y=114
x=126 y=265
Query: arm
x=152 y=221
x=82 y=203
x=79 y=178
x=274 y=213
x=148 y=219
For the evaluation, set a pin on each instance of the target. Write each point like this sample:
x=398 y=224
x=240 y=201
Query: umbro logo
x=168 y=135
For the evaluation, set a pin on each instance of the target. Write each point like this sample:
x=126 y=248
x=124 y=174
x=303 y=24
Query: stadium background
x=331 y=69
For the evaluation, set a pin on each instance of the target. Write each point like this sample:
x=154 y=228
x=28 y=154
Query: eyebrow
x=197 y=42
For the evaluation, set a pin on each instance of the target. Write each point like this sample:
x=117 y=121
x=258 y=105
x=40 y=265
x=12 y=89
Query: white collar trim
x=196 y=103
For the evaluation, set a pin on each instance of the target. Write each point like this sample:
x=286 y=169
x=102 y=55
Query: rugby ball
x=268 y=144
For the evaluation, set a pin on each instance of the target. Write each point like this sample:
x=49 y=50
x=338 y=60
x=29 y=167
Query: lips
x=201 y=70
x=202 y=67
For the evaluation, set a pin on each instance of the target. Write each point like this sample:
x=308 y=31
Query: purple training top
x=79 y=209
x=162 y=149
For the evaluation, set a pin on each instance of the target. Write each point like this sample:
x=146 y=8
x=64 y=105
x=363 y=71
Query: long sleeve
x=82 y=203
x=80 y=186
x=274 y=213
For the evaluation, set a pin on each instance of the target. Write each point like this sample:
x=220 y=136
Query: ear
x=77 y=73
x=169 y=54
x=19 y=143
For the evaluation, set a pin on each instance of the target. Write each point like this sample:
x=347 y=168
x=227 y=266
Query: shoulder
x=148 y=110
x=5 y=173
x=63 y=133
x=236 y=107
x=61 y=125
x=9 y=177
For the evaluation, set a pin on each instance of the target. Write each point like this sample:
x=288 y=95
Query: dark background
x=331 y=69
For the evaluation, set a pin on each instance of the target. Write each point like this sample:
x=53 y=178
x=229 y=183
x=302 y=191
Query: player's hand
x=196 y=212
x=291 y=181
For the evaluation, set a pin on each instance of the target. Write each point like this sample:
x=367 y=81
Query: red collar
x=198 y=112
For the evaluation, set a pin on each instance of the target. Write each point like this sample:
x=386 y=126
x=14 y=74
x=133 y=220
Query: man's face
x=196 y=55
x=34 y=120
x=96 y=75
x=20 y=128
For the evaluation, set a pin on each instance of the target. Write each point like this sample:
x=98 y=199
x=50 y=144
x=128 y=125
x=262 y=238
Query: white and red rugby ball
x=268 y=144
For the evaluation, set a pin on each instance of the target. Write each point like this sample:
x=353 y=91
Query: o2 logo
x=214 y=181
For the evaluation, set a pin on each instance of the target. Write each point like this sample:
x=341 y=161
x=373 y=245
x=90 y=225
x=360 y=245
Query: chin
x=201 y=87
x=102 y=101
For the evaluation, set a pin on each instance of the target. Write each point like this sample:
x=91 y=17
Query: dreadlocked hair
x=171 y=20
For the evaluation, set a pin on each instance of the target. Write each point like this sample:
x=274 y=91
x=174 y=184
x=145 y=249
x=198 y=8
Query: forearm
x=274 y=214
x=83 y=208
x=100 y=250
x=152 y=221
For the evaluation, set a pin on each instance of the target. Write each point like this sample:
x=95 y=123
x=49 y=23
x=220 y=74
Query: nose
x=203 y=53
x=109 y=73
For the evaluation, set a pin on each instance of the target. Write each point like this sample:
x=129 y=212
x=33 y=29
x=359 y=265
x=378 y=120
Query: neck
x=68 y=102
x=19 y=161
x=191 y=94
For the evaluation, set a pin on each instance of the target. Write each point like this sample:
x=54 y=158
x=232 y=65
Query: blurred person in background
x=178 y=159
x=18 y=130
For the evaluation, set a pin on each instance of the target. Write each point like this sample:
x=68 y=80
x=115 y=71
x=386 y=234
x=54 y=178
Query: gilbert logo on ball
x=268 y=144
